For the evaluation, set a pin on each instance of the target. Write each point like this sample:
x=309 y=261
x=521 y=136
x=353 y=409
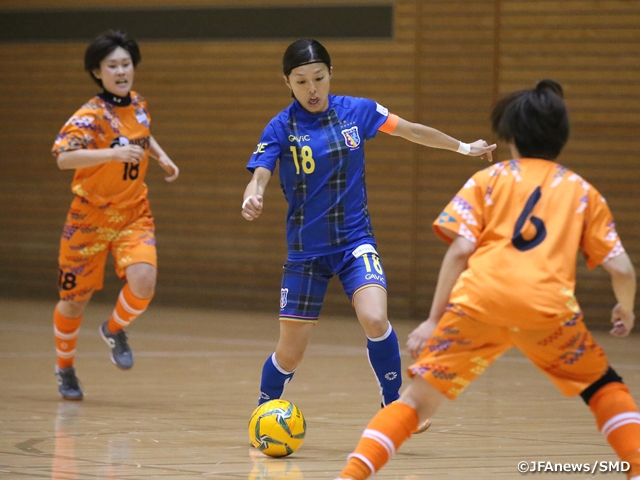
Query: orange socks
x=66 y=332
x=128 y=308
x=619 y=421
x=383 y=436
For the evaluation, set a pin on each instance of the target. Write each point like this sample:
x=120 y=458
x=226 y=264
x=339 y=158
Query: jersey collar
x=115 y=100
x=304 y=111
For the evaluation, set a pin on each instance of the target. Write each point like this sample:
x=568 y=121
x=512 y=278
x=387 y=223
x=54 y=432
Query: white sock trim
x=69 y=354
x=128 y=307
x=618 y=421
x=119 y=320
x=278 y=367
x=383 y=337
x=364 y=460
x=66 y=336
x=382 y=439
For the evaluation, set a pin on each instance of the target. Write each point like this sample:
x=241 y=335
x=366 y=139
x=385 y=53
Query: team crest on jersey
x=351 y=137
x=284 y=293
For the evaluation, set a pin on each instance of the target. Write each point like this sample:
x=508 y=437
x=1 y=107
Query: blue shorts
x=305 y=282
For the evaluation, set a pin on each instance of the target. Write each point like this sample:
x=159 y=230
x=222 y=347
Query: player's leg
x=364 y=282
x=67 y=318
x=391 y=427
x=588 y=374
x=81 y=263
x=304 y=285
x=617 y=417
x=383 y=349
x=457 y=352
x=280 y=366
x=136 y=262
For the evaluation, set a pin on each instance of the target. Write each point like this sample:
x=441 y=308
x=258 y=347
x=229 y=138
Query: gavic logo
x=373 y=276
x=301 y=138
x=260 y=148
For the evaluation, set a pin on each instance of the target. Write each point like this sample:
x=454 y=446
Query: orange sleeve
x=389 y=124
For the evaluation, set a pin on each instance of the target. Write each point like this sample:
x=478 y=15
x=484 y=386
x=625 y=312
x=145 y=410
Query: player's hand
x=169 y=167
x=418 y=338
x=252 y=207
x=622 y=322
x=480 y=148
x=128 y=154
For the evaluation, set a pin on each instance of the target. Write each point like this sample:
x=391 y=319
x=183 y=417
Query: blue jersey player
x=319 y=140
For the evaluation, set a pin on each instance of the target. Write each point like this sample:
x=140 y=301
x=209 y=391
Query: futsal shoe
x=423 y=427
x=121 y=354
x=68 y=383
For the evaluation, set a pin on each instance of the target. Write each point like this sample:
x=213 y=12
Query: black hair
x=535 y=120
x=302 y=52
x=103 y=45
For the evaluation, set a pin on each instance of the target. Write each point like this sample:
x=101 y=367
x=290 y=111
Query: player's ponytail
x=550 y=85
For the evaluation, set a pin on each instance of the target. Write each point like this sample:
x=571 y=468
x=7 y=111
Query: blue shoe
x=68 y=383
x=121 y=354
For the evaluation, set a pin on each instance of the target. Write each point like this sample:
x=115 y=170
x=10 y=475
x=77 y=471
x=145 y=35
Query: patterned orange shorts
x=461 y=348
x=90 y=233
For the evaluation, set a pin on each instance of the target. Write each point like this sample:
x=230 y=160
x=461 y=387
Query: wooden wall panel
x=456 y=73
x=448 y=62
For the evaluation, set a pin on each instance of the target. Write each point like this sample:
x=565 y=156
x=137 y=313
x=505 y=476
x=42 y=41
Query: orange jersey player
x=507 y=280
x=108 y=143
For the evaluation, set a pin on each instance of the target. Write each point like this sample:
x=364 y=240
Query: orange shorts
x=90 y=233
x=461 y=348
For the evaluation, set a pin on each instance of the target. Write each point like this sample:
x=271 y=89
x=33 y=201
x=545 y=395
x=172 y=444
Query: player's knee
x=142 y=280
x=375 y=325
x=72 y=308
x=610 y=376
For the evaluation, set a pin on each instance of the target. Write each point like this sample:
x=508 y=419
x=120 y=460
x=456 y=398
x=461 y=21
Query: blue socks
x=384 y=357
x=274 y=379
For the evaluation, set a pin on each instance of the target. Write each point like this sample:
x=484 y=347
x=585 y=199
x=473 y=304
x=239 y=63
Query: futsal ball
x=277 y=428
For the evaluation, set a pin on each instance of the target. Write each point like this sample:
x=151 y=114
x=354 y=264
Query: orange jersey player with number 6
x=108 y=143
x=508 y=279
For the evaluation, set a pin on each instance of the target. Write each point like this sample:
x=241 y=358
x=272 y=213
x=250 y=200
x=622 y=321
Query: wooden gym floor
x=182 y=411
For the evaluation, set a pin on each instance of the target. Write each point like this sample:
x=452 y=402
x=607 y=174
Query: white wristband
x=464 y=148
x=244 y=204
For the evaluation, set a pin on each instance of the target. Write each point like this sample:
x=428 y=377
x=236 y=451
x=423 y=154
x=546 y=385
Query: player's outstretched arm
x=254 y=193
x=623 y=282
x=430 y=137
x=84 y=157
x=163 y=160
x=453 y=264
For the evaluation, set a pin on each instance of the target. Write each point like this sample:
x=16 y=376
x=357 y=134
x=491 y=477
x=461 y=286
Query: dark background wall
x=212 y=90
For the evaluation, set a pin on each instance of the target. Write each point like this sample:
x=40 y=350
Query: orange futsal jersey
x=528 y=218
x=101 y=124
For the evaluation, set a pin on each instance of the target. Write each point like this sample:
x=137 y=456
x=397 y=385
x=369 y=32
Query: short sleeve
x=372 y=115
x=78 y=133
x=267 y=151
x=464 y=213
x=600 y=241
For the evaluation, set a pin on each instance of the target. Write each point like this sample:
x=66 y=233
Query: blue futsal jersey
x=322 y=172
